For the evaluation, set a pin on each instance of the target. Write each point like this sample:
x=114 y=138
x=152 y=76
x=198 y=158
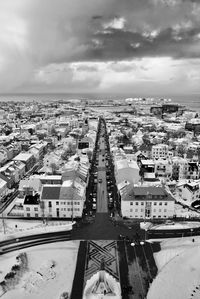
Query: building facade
x=146 y=202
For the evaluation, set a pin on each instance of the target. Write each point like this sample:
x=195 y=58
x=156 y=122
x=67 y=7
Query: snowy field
x=177 y=225
x=174 y=225
x=19 y=228
x=178 y=270
x=42 y=280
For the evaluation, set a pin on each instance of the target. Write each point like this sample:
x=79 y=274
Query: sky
x=120 y=46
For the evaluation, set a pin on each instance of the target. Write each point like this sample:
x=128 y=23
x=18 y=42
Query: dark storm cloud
x=121 y=44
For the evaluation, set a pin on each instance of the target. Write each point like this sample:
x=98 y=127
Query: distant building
x=27 y=158
x=147 y=169
x=189 y=192
x=126 y=171
x=159 y=151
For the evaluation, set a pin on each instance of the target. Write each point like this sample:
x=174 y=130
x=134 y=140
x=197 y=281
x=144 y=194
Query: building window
x=27 y=209
x=131 y=203
x=36 y=215
x=154 y=210
x=142 y=203
x=28 y=214
x=131 y=210
x=136 y=210
x=165 y=203
x=142 y=210
x=78 y=203
x=165 y=210
x=35 y=209
x=160 y=210
x=50 y=204
x=136 y=203
x=160 y=203
x=57 y=203
x=155 y=203
x=68 y=209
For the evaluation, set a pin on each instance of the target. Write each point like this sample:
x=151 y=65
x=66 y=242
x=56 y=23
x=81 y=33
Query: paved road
x=103 y=229
x=102 y=204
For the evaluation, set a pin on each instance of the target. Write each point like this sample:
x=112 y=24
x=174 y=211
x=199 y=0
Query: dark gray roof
x=51 y=192
x=32 y=199
x=149 y=190
x=147 y=193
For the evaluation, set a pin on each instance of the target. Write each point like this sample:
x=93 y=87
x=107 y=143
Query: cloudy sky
x=140 y=46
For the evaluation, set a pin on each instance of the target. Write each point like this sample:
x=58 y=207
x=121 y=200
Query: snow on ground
x=178 y=270
x=173 y=225
x=15 y=201
x=176 y=225
x=42 y=280
x=19 y=228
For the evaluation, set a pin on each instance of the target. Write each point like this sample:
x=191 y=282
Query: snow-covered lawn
x=42 y=280
x=19 y=228
x=176 y=225
x=178 y=270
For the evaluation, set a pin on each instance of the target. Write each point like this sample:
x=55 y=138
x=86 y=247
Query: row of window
x=154 y=210
x=142 y=203
x=70 y=209
x=142 y=216
x=28 y=209
x=68 y=202
x=29 y=215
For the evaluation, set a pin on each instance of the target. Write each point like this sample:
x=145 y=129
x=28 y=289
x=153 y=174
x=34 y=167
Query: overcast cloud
x=100 y=45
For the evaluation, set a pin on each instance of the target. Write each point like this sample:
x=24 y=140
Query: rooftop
x=23 y=157
x=51 y=192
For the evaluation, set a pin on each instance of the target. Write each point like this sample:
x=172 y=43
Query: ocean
x=190 y=101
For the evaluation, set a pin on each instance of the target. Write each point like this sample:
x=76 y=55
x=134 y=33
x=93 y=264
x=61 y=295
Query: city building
x=146 y=202
x=31 y=206
x=189 y=192
x=126 y=171
x=159 y=151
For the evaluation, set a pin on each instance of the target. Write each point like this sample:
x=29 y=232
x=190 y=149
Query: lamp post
x=191 y=230
x=145 y=236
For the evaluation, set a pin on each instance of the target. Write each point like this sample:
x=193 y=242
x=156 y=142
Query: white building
x=159 y=151
x=189 y=192
x=63 y=201
x=126 y=171
x=146 y=202
x=3 y=188
x=31 y=206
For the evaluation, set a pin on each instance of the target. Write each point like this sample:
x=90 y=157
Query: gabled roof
x=146 y=194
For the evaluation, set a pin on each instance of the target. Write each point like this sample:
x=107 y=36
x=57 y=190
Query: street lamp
x=191 y=230
x=145 y=234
